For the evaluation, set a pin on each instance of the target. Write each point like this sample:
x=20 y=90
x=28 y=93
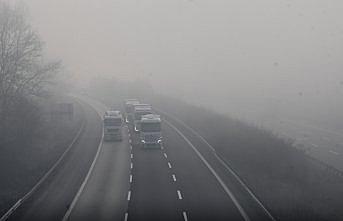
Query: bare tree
x=23 y=70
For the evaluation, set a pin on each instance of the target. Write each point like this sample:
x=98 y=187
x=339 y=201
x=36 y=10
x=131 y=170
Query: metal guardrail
x=326 y=166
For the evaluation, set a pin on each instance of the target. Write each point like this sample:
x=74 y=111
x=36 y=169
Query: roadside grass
x=23 y=163
x=291 y=185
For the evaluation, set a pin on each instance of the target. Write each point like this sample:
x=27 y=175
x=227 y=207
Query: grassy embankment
x=24 y=162
x=291 y=185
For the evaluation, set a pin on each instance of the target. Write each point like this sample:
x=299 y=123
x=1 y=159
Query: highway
x=53 y=197
x=104 y=194
x=185 y=180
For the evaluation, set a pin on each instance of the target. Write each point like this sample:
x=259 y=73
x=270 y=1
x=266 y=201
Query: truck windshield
x=112 y=122
x=138 y=115
x=151 y=127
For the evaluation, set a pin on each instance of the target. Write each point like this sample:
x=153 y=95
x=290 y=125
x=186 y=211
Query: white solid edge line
x=245 y=187
x=126 y=216
x=129 y=195
x=226 y=166
x=221 y=182
x=174 y=177
x=179 y=194
x=169 y=165
x=189 y=128
x=28 y=194
x=77 y=196
x=185 y=216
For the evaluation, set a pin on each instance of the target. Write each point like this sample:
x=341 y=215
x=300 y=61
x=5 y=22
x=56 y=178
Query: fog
x=236 y=110
x=246 y=58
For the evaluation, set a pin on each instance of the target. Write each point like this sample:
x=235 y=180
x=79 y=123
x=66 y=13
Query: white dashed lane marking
x=131 y=166
x=179 y=194
x=126 y=216
x=174 y=177
x=130 y=178
x=165 y=155
x=185 y=216
x=169 y=165
x=129 y=195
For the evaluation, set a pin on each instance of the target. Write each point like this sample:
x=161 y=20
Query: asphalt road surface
x=182 y=181
x=52 y=199
x=172 y=183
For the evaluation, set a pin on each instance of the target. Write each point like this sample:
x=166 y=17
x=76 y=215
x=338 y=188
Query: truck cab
x=140 y=110
x=113 y=122
x=112 y=113
x=150 y=131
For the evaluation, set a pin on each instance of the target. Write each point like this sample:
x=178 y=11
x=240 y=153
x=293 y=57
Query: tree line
x=24 y=71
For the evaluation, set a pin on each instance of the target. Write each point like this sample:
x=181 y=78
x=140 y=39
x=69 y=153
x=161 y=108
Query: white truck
x=139 y=111
x=150 y=133
x=113 y=122
x=129 y=108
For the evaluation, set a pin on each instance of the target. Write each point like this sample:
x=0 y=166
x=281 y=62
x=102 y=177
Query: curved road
x=130 y=183
x=182 y=181
x=52 y=199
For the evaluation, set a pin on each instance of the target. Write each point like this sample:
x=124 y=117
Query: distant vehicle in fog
x=113 y=122
x=129 y=109
x=112 y=113
x=139 y=111
x=150 y=131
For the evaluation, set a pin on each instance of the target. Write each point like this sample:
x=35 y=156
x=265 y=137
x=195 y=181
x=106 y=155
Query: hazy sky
x=223 y=49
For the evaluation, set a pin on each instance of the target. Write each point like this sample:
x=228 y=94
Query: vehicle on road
x=150 y=131
x=112 y=113
x=113 y=122
x=129 y=109
x=139 y=111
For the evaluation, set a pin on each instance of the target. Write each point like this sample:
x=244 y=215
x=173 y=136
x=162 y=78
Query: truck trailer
x=139 y=111
x=113 y=122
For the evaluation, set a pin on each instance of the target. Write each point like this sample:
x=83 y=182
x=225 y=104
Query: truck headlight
x=159 y=141
x=143 y=141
